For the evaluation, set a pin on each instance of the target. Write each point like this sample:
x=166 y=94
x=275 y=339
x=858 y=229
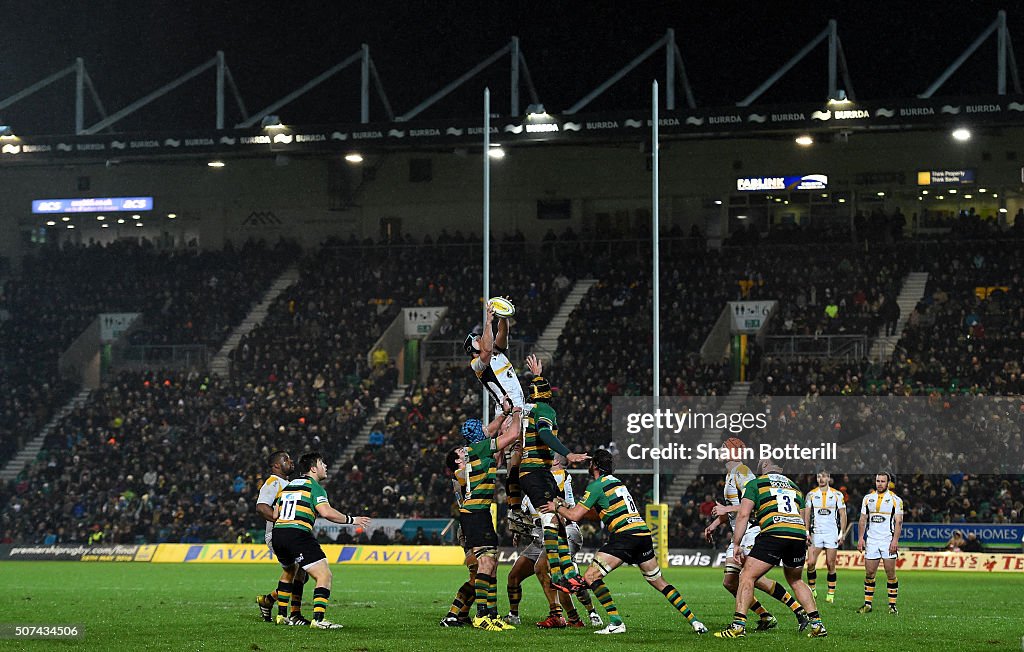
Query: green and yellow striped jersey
x=479 y=474
x=615 y=506
x=297 y=504
x=537 y=455
x=778 y=502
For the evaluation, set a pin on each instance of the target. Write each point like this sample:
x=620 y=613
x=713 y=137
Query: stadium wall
x=606 y=185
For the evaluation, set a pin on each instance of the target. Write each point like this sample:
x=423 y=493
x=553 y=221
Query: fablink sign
x=765 y=184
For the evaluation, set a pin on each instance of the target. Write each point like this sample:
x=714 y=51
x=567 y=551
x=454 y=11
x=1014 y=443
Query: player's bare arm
x=806 y=513
x=501 y=339
x=508 y=429
x=717 y=522
x=722 y=511
x=843 y=525
x=486 y=340
x=745 y=507
x=335 y=516
x=863 y=523
x=266 y=512
x=558 y=506
x=898 y=527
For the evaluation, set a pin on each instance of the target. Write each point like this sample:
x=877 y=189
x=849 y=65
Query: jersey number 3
x=786 y=500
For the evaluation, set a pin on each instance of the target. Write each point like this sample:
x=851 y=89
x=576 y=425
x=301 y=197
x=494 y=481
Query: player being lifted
x=737 y=476
x=540 y=443
x=825 y=519
x=281 y=466
x=490 y=363
x=629 y=541
x=881 y=521
x=773 y=502
x=477 y=464
x=296 y=509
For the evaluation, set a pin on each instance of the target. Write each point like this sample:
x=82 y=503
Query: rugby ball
x=502 y=306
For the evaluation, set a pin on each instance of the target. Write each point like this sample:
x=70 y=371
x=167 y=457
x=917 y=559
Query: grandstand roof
x=130 y=49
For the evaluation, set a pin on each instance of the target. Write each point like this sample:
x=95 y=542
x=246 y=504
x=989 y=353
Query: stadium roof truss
x=836 y=64
x=922 y=111
x=519 y=72
x=368 y=74
x=82 y=82
x=672 y=59
x=1004 y=59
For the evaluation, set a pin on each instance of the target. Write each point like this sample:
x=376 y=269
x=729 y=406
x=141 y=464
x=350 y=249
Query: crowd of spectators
x=185 y=297
x=146 y=459
x=967 y=333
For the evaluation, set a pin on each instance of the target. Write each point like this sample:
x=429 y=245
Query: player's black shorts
x=540 y=486
x=478 y=528
x=791 y=552
x=294 y=546
x=630 y=548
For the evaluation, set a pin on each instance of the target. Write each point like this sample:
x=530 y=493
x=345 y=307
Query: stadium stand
x=142 y=460
x=185 y=297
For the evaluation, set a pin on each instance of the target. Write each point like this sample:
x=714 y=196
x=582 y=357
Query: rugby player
x=540 y=444
x=774 y=503
x=629 y=541
x=477 y=464
x=825 y=520
x=489 y=361
x=881 y=522
x=298 y=505
x=736 y=478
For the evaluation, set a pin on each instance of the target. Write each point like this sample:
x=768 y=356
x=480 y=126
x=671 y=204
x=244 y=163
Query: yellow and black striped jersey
x=615 y=506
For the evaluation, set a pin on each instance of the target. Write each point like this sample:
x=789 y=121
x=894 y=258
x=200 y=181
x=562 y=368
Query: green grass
x=136 y=606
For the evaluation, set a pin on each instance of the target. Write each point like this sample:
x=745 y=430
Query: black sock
x=321 y=595
x=284 y=597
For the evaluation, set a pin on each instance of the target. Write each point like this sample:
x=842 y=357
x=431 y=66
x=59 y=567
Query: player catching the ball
x=490 y=364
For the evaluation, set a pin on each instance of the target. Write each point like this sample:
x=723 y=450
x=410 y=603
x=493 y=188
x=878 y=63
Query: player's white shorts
x=574 y=537
x=516 y=396
x=829 y=540
x=534 y=551
x=269 y=538
x=747 y=543
x=878 y=549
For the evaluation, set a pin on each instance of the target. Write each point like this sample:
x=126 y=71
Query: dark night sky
x=131 y=47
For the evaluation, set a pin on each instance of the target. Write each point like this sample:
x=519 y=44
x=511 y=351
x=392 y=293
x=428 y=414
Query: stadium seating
x=185 y=297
